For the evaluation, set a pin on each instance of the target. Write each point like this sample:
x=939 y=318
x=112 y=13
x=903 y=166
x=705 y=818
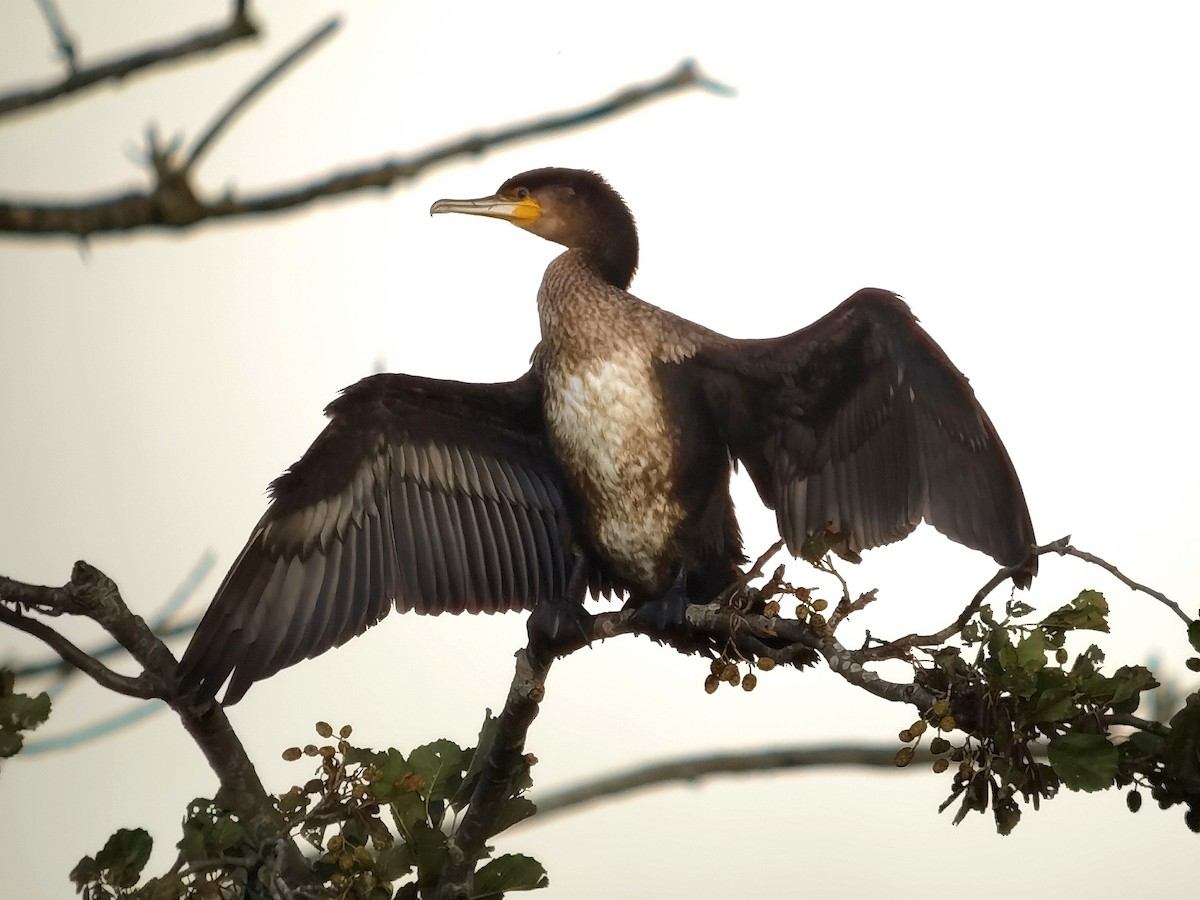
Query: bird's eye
x=522 y=193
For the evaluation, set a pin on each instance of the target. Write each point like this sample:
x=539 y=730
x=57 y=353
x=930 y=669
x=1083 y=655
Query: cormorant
x=606 y=466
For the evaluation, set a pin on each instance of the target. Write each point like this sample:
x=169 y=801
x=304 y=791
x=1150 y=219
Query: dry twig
x=238 y=28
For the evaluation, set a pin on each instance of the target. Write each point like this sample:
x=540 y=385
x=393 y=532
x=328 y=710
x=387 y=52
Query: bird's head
x=572 y=207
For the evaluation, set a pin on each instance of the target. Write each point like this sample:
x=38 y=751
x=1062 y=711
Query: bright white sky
x=1028 y=182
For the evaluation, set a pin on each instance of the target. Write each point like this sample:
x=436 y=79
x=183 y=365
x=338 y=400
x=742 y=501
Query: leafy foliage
x=376 y=820
x=115 y=868
x=1035 y=724
x=18 y=713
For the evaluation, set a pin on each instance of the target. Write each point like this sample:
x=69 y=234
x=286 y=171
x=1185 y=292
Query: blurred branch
x=110 y=725
x=261 y=84
x=238 y=28
x=62 y=40
x=172 y=202
x=694 y=768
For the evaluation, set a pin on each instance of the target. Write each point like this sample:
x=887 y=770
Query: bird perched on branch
x=606 y=466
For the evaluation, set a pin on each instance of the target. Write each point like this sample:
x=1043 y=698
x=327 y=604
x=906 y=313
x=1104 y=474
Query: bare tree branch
x=264 y=81
x=505 y=762
x=238 y=28
x=172 y=203
x=142 y=686
x=62 y=41
x=162 y=623
x=902 y=646
x=93 y=594
x=1063 y=548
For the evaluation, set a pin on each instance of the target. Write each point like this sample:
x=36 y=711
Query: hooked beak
x=519 y=212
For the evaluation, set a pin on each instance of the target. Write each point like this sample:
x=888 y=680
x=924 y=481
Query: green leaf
x=1017 y=609
x=18 y=713
x=1148 y=744
x=225 y=833
x=1003 y=654
x=1182 y=756
x=11 y=742
x=429 y=850
x=440 y=766
x=511 y=872
x=394 y=862
x=391 y=780
x=474 y=758
x=518 y=809
x=1031 y=651
x=1084 y=762
x=1007 y=814
x=407 y=810
x=1128 y=684
x=1051 y=701
x=23 y=711
x=124 y=856
x=1194 y=634
x=1088 y=611
x=85 y=872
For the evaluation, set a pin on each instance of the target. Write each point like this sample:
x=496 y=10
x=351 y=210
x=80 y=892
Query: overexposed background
x=1025 y=175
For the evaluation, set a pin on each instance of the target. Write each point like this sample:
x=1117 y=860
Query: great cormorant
x=607 y=465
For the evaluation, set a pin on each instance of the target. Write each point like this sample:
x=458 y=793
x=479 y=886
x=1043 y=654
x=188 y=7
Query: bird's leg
x=666 y=612
x=560 y=624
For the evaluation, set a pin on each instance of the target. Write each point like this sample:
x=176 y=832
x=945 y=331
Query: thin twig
x=182 y=593
x=62 y=41
x=238 y=28
x=755 y=571
x=260 y=84
x=1067 y=550
x=94 y=669
x=901 y=646
x=1132 y=721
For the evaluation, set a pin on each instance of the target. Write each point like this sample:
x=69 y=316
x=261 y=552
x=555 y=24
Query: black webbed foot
x=561 y=624
x=555 y=628
x=666 y=612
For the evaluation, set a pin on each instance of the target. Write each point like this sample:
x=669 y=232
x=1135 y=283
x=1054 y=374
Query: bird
x=606 y=467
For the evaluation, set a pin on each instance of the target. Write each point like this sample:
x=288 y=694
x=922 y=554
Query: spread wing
x=861 y=422
x=437 y=496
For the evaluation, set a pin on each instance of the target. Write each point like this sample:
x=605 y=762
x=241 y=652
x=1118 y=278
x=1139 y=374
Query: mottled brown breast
x=607 y=420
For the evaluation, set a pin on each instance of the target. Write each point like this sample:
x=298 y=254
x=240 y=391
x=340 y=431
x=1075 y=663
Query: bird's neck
x=583 y=318
x=612 y=253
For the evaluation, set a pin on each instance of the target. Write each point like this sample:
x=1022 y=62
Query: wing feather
x=432 y=496
x=861 y=422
